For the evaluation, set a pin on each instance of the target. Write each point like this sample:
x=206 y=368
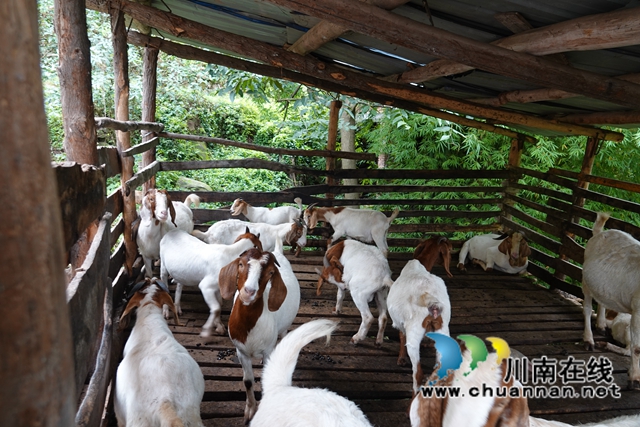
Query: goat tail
x=168 y=416
x=282 y=362
x=298 y=202
x=600 y=220
x=192 y=198
x=394 y=214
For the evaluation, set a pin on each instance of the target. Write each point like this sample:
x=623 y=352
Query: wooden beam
x=325 y=31
x=264 y=149
x=192 y=53
x=74 y=72
x=141 y=177
x=603 y=31
x=127 y=126
x=536 y=95
x=141 y=148
x=392 y=28
x=514 y=21
x=350 y=81
x=603 y=118
x=36 y=360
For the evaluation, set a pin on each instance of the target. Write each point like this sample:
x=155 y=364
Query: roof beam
x=603 y=118
x=351 y=81
x=324 y=31
x=392 y=28
x=538 y=95
x=603 y=31
x=195 y=54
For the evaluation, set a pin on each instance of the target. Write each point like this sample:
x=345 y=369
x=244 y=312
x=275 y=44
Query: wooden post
x=334 y=115
x=36 y=361
x=74 y=72
x=348 y=144
x=149 y=86
x=515 y=156
x=123 y=139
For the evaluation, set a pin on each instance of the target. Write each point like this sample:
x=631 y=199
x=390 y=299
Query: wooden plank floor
x=531 y=319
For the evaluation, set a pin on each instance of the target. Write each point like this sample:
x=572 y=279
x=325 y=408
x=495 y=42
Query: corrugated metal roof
x=278 y=26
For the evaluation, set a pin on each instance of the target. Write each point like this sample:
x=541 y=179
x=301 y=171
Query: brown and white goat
x=366 y=225
x=273 y=216
x=158 y=215
x=469 y=409
x=157 y=382
x=507 y=252
x=191 y=262
x=362 y=270
x=266 y=303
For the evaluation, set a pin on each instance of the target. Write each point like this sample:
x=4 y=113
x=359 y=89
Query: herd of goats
x=159 y=383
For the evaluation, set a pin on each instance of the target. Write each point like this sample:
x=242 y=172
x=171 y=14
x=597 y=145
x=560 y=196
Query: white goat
x=366 y=225
x=157 y=383
x=274 y=216
x=285 y=406
x=158 y=215
x=265 y=305
x=611 y=275
x=418 y=303
x=192 y=262
x=225 y=232
x=471 y=410
x=507 y=252
x=364 y=271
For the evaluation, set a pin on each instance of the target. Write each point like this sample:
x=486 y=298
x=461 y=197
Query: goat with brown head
x=435 y=250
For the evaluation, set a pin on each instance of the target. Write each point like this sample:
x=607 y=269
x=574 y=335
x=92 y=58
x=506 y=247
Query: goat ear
x=419 y=249
x=505 y=246
x=165 y=298
x=277 y=293
x=525 y=250
x=172 y=211
x=507 y=411
x=228 y=279
x=133 y=303
x=445 y=252
x=431 y=409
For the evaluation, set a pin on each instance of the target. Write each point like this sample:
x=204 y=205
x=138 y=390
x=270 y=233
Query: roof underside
x=384 y=55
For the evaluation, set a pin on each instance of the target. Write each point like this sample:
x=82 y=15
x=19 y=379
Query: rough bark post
x=348 y=143
x=149 y=86
x=515 y=156
x=334 y=115
x=123 y=139
x=74 y=73
x=36 y=361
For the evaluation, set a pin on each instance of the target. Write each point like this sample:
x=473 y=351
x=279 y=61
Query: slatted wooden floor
x=531 y=319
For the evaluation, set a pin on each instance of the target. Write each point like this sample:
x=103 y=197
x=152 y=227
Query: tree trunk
x=74 y=72
x=123 y=139
x=36 y=361
x=149 y=86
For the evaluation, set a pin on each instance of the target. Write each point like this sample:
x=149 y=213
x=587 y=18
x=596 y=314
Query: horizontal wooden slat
x=343 y=189
x=554 y=282
x=141 y=148
x=547 y=177
x=608 y=200
x=608 y=182
x=142 y=176
x=127 y=126
x=551 y=212
x=546 y=227
x=544 y=191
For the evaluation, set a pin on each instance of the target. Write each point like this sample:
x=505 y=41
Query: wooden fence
x=552 y=214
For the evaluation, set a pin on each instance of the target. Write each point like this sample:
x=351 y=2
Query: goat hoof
x=403 y=361
x=205 y=333
x=634 y=385
x=461 y=267
x=354 y=341
x=588 y=346
x=378 y=343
